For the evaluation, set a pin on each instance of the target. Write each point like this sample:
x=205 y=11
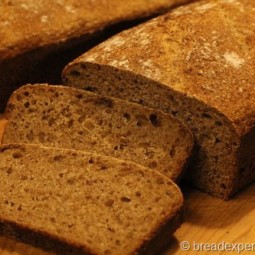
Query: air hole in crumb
x=17 y=155
x=153 y=164
x=9 y=171
x=56 y=94
x=125 y=199
x=109 y=202
x=26 y=94
x=23 y=178
x=160 y=181
x=27 y=104
x=81 y=118
x=206 y=115
x=174 y=113
x=117 y=242
x=178 y=141
x=70 y=181
x=170 y=97
x=52 y=219
x=157 y=199
x=154 y=120
x=218 y=123
x=172 y=152
x=217 y=140
x=79 y=96
x=126 y=116
x=138 y=193
x=141 y=120
x=91 y=89
x=19 y=97
x=104 y=101
x=107 y=252
x=70 y=123
x=41 y=136
x=61 y=175
x=168 y=193
x=103 y=168
x=51 y=121
x=141 y=102
x=91 y=161
x=223 y=186
x=58 y=157
x=75 y=73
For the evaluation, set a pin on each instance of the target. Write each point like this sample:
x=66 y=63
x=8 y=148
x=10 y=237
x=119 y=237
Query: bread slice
x=65 y=117
x=75 y=202
x=34 y=33
x=200 y=71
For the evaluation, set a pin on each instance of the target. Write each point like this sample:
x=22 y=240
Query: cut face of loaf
x=65 y=117
x=200 y=71
x=74 y=202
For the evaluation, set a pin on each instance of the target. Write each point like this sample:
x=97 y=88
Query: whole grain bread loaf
x=196 y=62
x=32 y=31
x=74 y=202
x=66 y=117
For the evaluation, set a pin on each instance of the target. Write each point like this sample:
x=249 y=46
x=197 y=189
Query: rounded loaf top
x=204 y=50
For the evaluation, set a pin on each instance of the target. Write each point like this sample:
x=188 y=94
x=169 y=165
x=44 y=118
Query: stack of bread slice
x=89 y=174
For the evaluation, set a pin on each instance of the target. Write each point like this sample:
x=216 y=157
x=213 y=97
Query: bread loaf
x=66 y=117
x=196 y=62
x=33 y=31
x=73 y=202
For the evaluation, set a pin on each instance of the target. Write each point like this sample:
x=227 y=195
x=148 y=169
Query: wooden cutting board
x=208 y=220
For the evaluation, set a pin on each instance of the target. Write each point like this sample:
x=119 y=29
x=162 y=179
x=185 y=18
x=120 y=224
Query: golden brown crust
x=26 y=25
x=212 y=62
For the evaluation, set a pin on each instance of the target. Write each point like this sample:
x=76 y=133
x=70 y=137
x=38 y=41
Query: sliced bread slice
x=200 y=71
x=75 y=202
x=65 y=117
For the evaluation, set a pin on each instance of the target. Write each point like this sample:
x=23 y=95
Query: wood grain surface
x=208 y=220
